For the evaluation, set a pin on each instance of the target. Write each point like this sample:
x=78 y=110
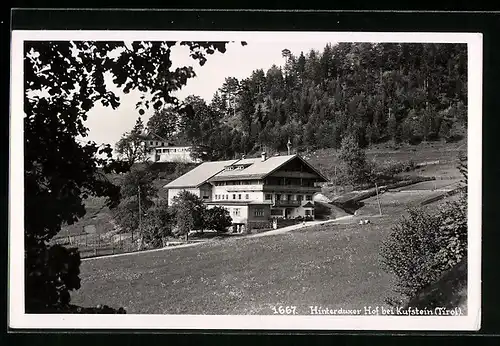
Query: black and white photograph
x=245 y=180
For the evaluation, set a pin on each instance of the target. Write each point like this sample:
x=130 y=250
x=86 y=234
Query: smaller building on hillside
x=159 y=149
x=173 y=154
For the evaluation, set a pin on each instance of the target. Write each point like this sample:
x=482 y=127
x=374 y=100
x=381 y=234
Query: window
x=309 y=198
x=216 y=196
x=239 y=196
x=247 y=196
x=289 y=197
x=268 y=196
x=234 y=196
x=236 y=212
x=258 y=212
x=227 y=197
x=205 y=194
x=156 y=143
x=299 y=198
x=308 y=212
x=150 y=142
x=277 y=197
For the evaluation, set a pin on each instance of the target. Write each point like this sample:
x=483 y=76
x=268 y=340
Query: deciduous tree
x=63 y=80
x=131 y=146
x=164 y=122
x=189 y=212
x=137 y=194
x=158 y=224
x=353 y=159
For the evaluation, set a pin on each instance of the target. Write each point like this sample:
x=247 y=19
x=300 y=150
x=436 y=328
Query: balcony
x=291 y=188
x=287 y=203
x=272 y=188
x=236 y=188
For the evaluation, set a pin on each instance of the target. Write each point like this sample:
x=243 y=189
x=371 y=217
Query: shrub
x=392 y=168
x=51 y=273
x=218 y=219
x=423 y=246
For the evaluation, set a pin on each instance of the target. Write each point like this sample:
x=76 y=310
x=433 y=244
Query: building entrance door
x=288 y=212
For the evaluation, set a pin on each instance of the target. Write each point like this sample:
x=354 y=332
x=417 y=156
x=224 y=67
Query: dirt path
x=297 y=226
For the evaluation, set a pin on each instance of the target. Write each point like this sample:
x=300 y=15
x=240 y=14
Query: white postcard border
x=17 y=317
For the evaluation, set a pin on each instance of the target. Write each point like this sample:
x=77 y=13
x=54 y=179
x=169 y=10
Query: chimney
x=263 y=156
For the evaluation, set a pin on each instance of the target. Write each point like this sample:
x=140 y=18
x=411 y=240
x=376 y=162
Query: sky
x=107 y=125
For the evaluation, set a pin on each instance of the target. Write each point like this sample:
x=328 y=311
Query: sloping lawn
x=330 y=265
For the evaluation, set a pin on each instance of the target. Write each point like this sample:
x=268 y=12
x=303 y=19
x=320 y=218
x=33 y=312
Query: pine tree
x=393 y=128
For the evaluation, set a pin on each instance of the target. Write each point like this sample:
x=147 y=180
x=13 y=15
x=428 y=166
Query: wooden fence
x=94 y=244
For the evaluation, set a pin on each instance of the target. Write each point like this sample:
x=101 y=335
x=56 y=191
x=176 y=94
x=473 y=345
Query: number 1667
x=284 y=310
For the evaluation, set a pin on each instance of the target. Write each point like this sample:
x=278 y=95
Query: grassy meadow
x=329 y=265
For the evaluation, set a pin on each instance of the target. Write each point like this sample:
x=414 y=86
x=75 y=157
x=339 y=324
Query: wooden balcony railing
x=287 y=203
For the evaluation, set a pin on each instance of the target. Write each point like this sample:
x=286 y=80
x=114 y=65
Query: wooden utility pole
x=139 y=202
x=378 y=200
x=335 y=180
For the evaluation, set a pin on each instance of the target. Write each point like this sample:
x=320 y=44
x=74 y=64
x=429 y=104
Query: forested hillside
x=379 y=92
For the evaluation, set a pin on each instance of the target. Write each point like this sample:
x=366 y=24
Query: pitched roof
x=254 y=168
x=257 y=169
x=199 y=174
x=260 y=169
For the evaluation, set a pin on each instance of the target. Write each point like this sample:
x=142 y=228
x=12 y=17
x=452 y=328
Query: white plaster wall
x=176 y=157
x=222 y=190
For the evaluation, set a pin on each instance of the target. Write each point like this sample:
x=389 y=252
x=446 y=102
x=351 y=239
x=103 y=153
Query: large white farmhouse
x=254 y=190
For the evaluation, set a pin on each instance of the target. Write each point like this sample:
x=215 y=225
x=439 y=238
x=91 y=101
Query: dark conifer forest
x=388 y=92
